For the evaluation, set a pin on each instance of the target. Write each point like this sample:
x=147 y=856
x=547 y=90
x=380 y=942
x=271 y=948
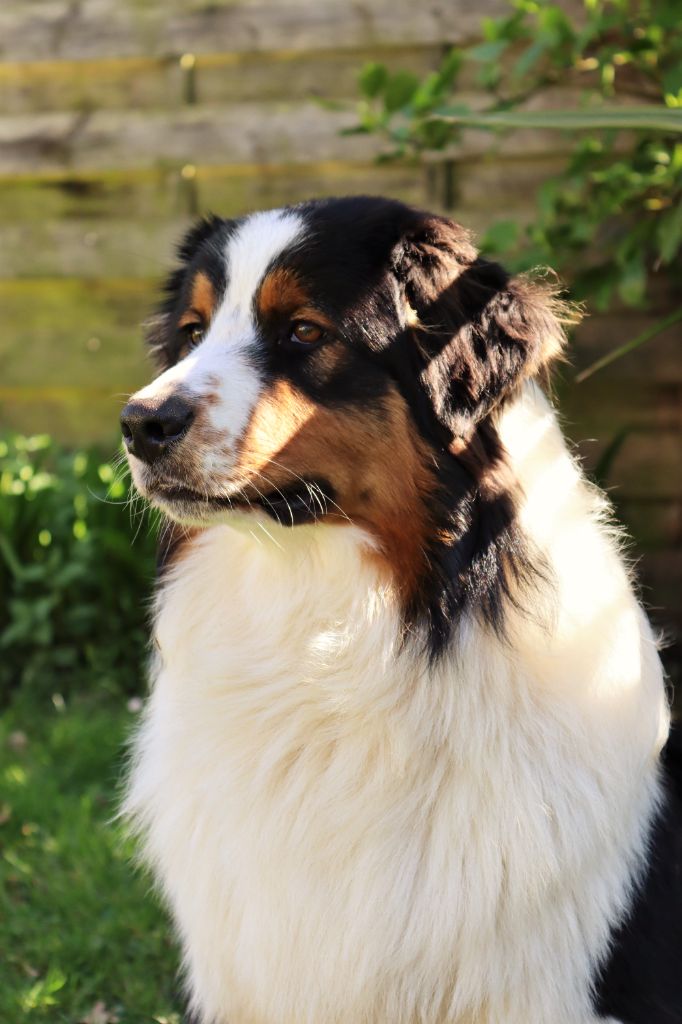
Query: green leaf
x=556 y=23
x=428 y=91
x=486 y=52
x=42 y=993
x=372 y=79
x=434 y=134
x=530 y=58
x=450 y=67
x=399 y=90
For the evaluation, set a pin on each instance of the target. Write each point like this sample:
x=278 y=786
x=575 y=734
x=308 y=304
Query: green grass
x=78 y=925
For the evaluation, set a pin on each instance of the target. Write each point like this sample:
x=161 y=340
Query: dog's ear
x=158 y=328
x=478 y=332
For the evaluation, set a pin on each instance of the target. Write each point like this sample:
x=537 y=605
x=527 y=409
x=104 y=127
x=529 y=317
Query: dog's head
x=342 y=360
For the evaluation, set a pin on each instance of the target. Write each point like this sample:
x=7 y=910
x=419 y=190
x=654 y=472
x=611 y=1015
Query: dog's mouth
x=303 y=502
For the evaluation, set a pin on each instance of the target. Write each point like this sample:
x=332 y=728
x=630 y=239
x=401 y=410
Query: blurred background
x=550 y=130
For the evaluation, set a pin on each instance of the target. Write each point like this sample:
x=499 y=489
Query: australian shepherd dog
x=400 y=763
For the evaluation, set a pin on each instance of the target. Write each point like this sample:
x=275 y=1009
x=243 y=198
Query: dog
x=400 y=763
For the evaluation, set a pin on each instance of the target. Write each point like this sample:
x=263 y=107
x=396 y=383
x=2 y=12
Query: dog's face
x=339 y=360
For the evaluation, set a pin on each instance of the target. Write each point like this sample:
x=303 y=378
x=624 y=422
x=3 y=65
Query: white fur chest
x=346 y=835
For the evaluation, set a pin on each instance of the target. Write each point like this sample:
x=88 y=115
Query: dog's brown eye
x=194 y=334
x=191 y=336
x=306 y=333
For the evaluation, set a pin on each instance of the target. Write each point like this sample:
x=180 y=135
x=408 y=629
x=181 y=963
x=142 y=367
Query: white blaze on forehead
x=251 y=250
x=223 y=356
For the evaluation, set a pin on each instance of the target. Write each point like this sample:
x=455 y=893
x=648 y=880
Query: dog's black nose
x=149 y=429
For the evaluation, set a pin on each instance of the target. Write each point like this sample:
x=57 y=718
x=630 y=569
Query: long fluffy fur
x=350 y=833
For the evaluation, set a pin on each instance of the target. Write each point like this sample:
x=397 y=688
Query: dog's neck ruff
x=349 y=833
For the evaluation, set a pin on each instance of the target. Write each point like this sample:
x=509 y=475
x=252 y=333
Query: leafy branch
x=611 y=220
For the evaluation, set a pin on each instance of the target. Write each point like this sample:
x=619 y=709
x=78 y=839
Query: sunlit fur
x=349 y=831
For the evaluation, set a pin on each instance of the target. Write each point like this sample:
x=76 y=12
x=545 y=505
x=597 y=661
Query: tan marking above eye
x=202 y=301
x=189 y=318
x=280 y=292
x=308 y=314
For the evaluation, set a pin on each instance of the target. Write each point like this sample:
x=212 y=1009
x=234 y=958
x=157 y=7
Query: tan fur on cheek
x=373 y=460
x=276 y=421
